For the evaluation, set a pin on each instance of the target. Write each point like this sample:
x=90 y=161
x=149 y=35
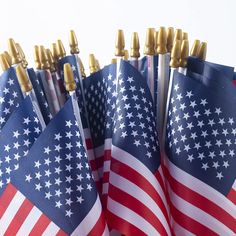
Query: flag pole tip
x=69 y=78
x=4 y=62
x=8 y=57
x=92 y=64
x=43 y=58
x=135 y=46
x=185 y=36
x=195 y=48
x=36 y=57
x=149 y=48
x=202 y=51
x=161 y=41
x=178 y=35
x=22 y=55
x=61 y=52
x=23 y=79
x=170 y=38
x=126 y=56
x=51 y=60
x=73 y=42
x=184 y=53
x=16 y=59
x=120 y=43
x=175 y=54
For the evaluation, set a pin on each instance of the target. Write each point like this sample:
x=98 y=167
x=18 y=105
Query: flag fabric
x=132 y=177
x=43 y=105
x=16 y=138
x=200 y=164
x=71 y=59
x=53 y=192
x=10 y=95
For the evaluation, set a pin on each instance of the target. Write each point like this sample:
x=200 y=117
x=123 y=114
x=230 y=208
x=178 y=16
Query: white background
x=96 y=22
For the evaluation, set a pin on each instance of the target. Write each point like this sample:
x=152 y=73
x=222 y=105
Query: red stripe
x=122 y=226
x=134 y=177
x=19 y=218
x=6 y=198
x=200 y=201
x=138 y=207
x=61 y=233
x=99 y=227
x=40 y=226
x=89 y=144
x=232 y=196
x=189 y=223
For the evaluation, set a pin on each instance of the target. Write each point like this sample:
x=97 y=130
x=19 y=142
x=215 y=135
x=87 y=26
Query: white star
x=38 y=175
x=193 y=104
x=2 y=120
x=89 y=187
x=231 y=121
x=219 y=175
x=6 y=90
x=205 y=166
x=69 y=213
x=48 y=184
x=189 y=94
x=38 y=187
x=68 y=201
x=27 y=132
x=58 y=204
x=28 y=178
x=79 y=188
x=79 y=199
x=7 y=148
x=221 y=121
x=203 y=102
x=48 y=195
x=190 y=158
x=58 y=136
x=69 y=146
x=215 y=164
x=176 y=87
x=231 y=153
x=218 y=111
x=226 y=164
x=69 y=135
x=68 y=179
x=47 y=150
x=37 y=130
x=58 y=148
x=26 y=120
x=58 y=192
x=69 y=190
x=130 y=79
x=124 y=134
x=37 y=164
x=47 y=173
x=58 y=159
x=68 y=123
x=27 y=142
x=58 y=181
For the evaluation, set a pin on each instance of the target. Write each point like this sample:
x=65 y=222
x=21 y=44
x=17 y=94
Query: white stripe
x=199 y=215
x=131 y=217
x=106 y=232
x=105 y=188
x=99 y=151
x=138 y=193
x=100 y=172
x=180 y=231
x=135 y=164
x=90 y=220
x=51 y=230
x=11 y=211
x=201 y=188
x=30 y=221
x=106 y=166
x=90 y=154
x=87 y=133
x=95 y=176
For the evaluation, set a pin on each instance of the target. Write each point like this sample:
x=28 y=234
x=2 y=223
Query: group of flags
x=139 y=147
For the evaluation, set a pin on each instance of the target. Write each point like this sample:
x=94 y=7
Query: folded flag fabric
x=200 y=168
x=10 y=95
x=53 y=188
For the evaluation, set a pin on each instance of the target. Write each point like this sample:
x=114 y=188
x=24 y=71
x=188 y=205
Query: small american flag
x=200 y=168
x=53 y=192
x=10 y=95
x=123 y=128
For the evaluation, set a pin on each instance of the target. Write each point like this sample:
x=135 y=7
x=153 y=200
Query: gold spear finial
x=36 y=57
x=22 y=55
x=23 y=79
x=92 y=64
x=170 y=38
x=98 y=64
x=82 y=68
x=185 y=36
x=202 y=51
x=16 y=59
x=55 y=51
x=73 y=43
x=156 y=40
x=178 y=35
x=69 y=78
x=126 y=56
x=162 y=41
x=120 y=44
x=195 y=48
x=175 y=55
x=3 y=62
x=149 y=48
x=43 y=58
x=134 y=48
x=51 y=60
x=61 y=52
x=8 y=57
x=184 y=53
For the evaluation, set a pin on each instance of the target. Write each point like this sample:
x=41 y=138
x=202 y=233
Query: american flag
x=42 y=102
x=16 y=138
x=53 y=192
x=10 y=95
x=83 y=114
x=124 y=132
x=200 y=168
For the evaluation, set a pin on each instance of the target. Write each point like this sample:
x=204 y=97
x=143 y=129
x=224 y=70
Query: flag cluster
x=136 y=148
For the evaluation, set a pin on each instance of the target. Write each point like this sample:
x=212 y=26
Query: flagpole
x=27 y=89
x=56 y=78
x=184 y=57
x=119 y=53
x=134 y=50
x=48 y=81
x=149 y=51
x=71 y=88
x=174 y=64
x=163 y=77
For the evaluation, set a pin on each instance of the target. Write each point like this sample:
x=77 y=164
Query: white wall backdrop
x=96 y=21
